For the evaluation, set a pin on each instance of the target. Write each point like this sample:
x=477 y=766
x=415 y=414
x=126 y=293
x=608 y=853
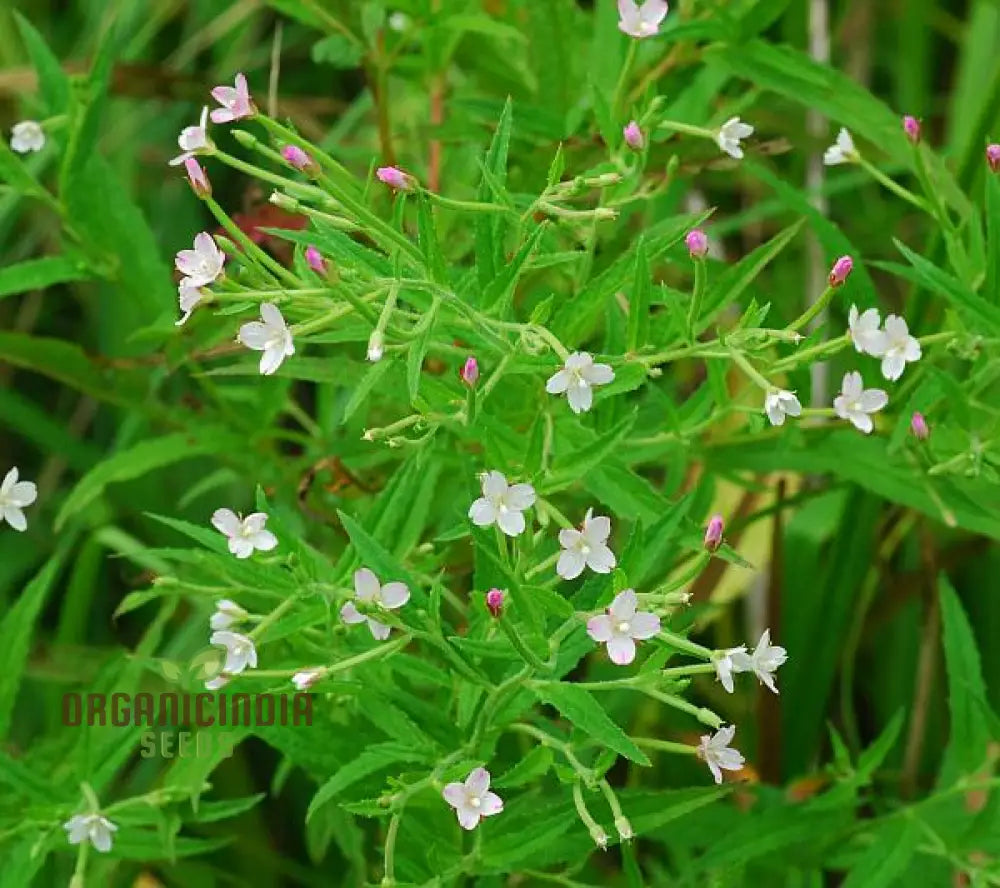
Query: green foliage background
x=876 y=765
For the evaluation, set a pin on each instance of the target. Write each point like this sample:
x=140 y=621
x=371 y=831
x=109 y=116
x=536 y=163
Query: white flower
x=621 y=626
x=91 y=828
x=227 y=613
x=473 y=800
x=202 y=265
x=306 y=678
x=714 y=751
x=641 y=22
x=271 y=336
x=240 y=651
x=577 y=379
x=587 y=547
x=900 y=348
x=855 y=402
x=780 y=403
x=763 y=662
x=398 y=21
x=865 y=332
x=728 y=662
x=193 y=139
x=730 y=134
x=841 y=151
x=245 y=534
x=26 y=136
x=188 y=297
x=369 y=590
x=14 y=496
x=220 y=681
x=502 y=504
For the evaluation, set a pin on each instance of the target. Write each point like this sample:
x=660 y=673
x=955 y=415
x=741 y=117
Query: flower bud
x=470 y=371
x=993 y=157
x=713 y=533
x=918 y=425
x=624 y=828
x=375 y=347
x=396 y=178
x=634 y=137
x=306 y=678
x=697 y=243
x=296 y=157
x=840 y=271
x=494 y=601
x=197 y=178
x=911 y=126
x=599 y=836
x=315 y=260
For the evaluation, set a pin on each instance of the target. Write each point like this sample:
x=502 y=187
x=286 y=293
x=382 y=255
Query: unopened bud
x=634 y=137
x=494 y=601
x=599 y=836
x=993 y=157
x=296 y=157
x=911 y=126
x=841 y=270
x=197 y=178
x=396 y=178
x=713 y=533
x=315 y=260
x=918 y=425
x=697 y=243
x=375 y=347
x=624 y=828
x=470 y=371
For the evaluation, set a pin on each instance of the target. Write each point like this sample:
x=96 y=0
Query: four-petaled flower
x=587 y=547
x=640 y=22
x=855 y=402
x=472 y=800
x=577 y=380
x=714 y=751
x=900 y=348
x=14 y=496
x=244 y=534
x=370 y=591
x=26 y=136
x=780 y=403
x=726 y=663
x=502 y=504
x=622 y=626
x=841 y=151
x=202 y=265
x=763 y=662
x=730 y=134
x=865 y=331
x=227 y=613
x=240 y=651
x=269 y=335
x=193 y=139
x=236 y=102
x=93 y=828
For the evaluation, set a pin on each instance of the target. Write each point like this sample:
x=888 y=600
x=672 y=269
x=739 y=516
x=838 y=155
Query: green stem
x=813 y=310
x=705 y=716
x=389 y=879
x=685 y=645
x=750 y=370
x=250 y=249
x=700 y=279
x=895 y=187
x=529 y=656
x=666 y=745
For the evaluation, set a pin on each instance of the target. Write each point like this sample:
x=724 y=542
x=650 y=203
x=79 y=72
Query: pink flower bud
x=395 y=178
x=697 y=243
x=911 y=126
x=713 y=533
x=634 y=137
x=494 y=601
x=993 y=157
x=840 y=271
x=315 y=260
x=470 y=371
x=197 y=177
x=918 y=425
x=296 y=157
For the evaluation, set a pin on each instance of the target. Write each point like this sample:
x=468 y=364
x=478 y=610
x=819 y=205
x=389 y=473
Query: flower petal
x=520 y=496
x=478 y=781
x=570 y=564
x=511 y=522
x=624 y=606
x=366 y=584
x=644 y=625
x=599 y=628
x=454 y=794
x=601 y=559
x=226 y=521
x=351 y=615
x=254 y=335
x=621 y=650
x=380 y=632
x=395 y=595
x=482 y=512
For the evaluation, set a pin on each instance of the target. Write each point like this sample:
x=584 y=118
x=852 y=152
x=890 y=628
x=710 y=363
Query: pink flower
x=396 y=178
x=713 y=533
x=911 y=126
x=840 y=271
x=298 y=158
x=236 y=102
x=634 y=137
x=193 y=139
x=622 y=626
x=918 y=425
x=993 y=157
x=315 y=260
x=470 y=371
x=197 y=177
x=202 y=265
x=641 y=22
x=494 y=601
x=697 y=243
x=472 y=799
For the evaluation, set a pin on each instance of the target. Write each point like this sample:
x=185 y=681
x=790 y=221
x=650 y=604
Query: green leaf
x=52 y=80
x=887 y=858
x=585 y=713
x=37 y=274
x=488 y=228
x=359 y=395
x=338 y=51
x=429 y=244
x=527 y=769
x=638 y=301
x=376 y=557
